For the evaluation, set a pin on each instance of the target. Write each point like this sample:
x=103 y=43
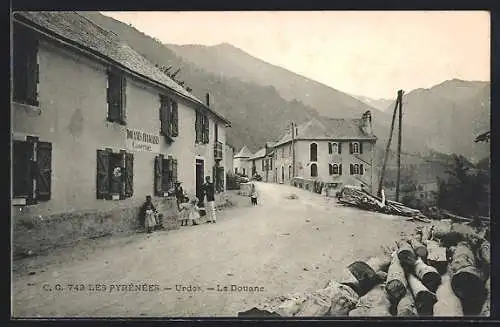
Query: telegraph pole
x=398 y=179
x=381 y=182
x=293 y=149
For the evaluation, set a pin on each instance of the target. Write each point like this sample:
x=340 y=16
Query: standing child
x=148 y=211
x=184 y=211
x=194 y=211
x=253 y=194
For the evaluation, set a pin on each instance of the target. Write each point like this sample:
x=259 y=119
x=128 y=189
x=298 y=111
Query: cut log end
x=468 y=284
x=424 y=302
x=396 y=290
x=431 y=280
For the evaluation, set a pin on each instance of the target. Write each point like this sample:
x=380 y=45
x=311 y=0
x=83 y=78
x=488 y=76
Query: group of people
x=189 y=207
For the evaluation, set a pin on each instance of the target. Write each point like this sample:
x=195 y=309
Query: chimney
x=366 y=124
x=207 y=97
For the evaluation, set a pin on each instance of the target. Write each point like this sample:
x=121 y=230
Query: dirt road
x=278 y=247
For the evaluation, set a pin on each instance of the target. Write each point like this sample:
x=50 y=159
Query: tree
x=465 y=191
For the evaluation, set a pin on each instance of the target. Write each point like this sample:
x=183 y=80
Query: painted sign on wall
x=137 y=140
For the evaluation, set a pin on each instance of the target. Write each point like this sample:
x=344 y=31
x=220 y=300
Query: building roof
x=244 y=153
x=328 y=129
x=259 y=154
x=81 y=32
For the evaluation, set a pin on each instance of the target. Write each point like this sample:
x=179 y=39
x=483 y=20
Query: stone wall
x=37 y=234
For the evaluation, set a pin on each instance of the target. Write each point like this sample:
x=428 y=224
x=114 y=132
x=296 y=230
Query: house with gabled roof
x=257 y=162
x=96 y=128
x=241 y=164
x=333 y=151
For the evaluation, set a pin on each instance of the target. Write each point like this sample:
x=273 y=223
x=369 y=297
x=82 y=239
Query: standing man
x=208 y=189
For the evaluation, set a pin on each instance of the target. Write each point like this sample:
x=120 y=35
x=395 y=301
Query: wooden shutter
x=114 y=97
x=32 y=70
x=167 y=174
x=129 y=174
x=175 y=119
x=361 y=147
x=206 y=128
x=21 y=166
x=340 y=169
x=197 y=127
x=361 y=169
x=164 y=113
x=216 y=132
x=174 y=170
x=123 y=99
x=158 y=178
x=44 y=170
x=330 y=147
x=350 y=148
x=330 y=169
x=339 y=147
x=103 y=178
x=351 y=169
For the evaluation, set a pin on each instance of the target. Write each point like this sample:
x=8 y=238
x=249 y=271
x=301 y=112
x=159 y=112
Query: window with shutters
x=355 y=148
x=116 y=96
x=169 y=117
x=202 y=127
x=333 y=148
x=115 y=175
x=356 y=169
x=335 y=169
x=165 y=170
x=32 y=170
x=25 y=66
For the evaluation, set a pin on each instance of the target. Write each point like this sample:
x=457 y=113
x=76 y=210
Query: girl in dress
x=194 y=211
x=184 y=211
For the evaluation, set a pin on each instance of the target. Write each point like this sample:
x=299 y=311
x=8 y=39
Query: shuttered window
x=356 y=147
x=25 y=66
x=165 y=175
x=32 y=170
x=202 y=127
x=116 y=97
x=169 y=117
x=356 y=169
x=115 y=175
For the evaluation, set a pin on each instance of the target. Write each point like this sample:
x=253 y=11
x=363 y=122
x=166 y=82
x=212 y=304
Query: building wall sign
x=141 y=141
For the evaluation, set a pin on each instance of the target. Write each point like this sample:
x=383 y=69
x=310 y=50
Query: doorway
x=200 y=173
x=282 y=174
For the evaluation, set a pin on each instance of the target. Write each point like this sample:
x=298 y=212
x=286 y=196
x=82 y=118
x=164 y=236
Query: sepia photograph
x=250 y=164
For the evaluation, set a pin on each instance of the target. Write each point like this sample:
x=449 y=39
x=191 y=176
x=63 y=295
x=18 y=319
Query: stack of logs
x=420 y=277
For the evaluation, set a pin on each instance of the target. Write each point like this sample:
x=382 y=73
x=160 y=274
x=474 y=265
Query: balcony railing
x=217 y=150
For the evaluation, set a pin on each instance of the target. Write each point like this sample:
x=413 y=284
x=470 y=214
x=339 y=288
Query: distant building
x=241 y=164
x=228 y=158
x=333 y=151
x=257 y=162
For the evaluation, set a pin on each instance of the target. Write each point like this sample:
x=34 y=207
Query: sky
x=371 y=54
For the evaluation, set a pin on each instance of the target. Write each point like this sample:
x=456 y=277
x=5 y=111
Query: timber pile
x=422 y=276
x=353 y=196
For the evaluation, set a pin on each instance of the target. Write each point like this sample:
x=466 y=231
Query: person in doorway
x=209 y=192
x=149 y=211
x=253 y=194
x=179 y=194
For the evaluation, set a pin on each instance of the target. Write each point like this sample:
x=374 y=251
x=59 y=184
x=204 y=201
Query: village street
x=282 y=245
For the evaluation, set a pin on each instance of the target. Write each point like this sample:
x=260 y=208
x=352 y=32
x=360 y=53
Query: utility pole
x=381 y=182
x=293 y=149
x=398 y=179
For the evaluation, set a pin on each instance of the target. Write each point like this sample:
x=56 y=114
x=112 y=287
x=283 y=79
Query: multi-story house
x=241 y=164
x=96 y=127
x=333 y=151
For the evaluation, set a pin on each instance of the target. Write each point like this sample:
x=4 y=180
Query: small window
x=25 y=66
x=355 y=147
x=165 y=175
x=32 y=170
x=116 y=96
x=314 y=170
x=356 y=169
x=115 y=174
